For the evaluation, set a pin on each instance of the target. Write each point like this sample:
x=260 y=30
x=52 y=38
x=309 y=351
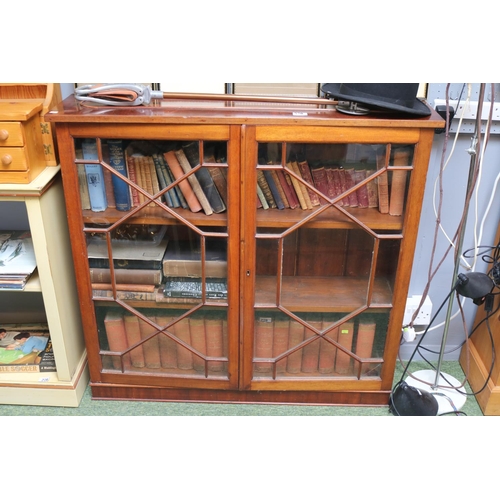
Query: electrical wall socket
x=425 y=313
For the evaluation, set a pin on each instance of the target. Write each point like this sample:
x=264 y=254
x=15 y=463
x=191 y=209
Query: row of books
x=274 y=336
x=17 y=259
x=206 y=334
x=204 y=190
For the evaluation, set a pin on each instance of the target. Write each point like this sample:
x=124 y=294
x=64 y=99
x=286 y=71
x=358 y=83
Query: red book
x=280 y=340
x=320 y=178
x=310 y=354
x=343 y=186
x=350 y=182
x=133 y=177
x=215 y=340
x=150 y=347
x=264 y=328
x=364 y=342
x=306 y=175
x=198 y=340
x=294 y=361
x=334 y=185
x=362 y=191
x=184 y=356
x=327 y=352
x=134 y=336
x=343 y=360
x=117 y=338
x=372 y=190
x=290 y=195
x=168 y=347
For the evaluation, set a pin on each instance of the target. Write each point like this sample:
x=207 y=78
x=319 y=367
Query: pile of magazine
x=17 y=259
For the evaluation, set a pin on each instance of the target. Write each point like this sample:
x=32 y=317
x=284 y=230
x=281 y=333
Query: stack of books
x=17 y=259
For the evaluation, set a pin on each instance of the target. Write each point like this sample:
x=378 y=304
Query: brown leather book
x=280 y=340
x=150 y=347
x=364 y=341
x=343 y=362
x=294 y=360
x=168 y=347
x=293 y=201
x=398 y=182
x=306 y=175
x=198 y=340
x=310 y=354
x=184 y=356
x=327 y=352
x=264 y=329
x=215 y=340
x=117 y=338
x=133 y=333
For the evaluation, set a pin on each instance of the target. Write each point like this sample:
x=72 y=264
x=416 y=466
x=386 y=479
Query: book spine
x=281 y=191
x=350 y=181
x=184 y=356
x=280 y=341
x=133 y=334
x=294 y=360
x=310 y=355
x=162 y=179
x=362 y=191
x=264 y=328
x=398 y=182
x=121 y=189
x=321 y=182
x=287 y=187
x=84 y=188
x=274 y=190
x=343 y=360
x=220 y=182
x=343 y=186
x=95 y=177
x=305 y=171
x=204 y=178
x=364 y=341
x=170 y=178
x=261 y=199
x=266 y=189
x=372 y=189
x=383 y=186
x=126 y=276
x=297 y=187
x=334 y=189
x=151 y=347
x=132 y=173
x=198 y=340
x=193 y=180
x=126 y=295
x=117 y=339
x=215 y=341
x=168 y=346
x=327 y=352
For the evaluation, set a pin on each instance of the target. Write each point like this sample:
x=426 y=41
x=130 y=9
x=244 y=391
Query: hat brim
x=419 y=108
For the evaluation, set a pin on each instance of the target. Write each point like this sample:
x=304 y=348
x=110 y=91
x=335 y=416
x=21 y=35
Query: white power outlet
x=425 y=313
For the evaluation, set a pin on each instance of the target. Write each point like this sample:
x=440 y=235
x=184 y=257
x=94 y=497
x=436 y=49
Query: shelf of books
x=42 y=352
x=225 y=258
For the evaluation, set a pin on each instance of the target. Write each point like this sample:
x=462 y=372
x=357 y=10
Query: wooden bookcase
x=301 y=283
x=49 y=296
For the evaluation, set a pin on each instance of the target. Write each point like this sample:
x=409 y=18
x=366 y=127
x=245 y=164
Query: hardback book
x=215 y=288
x=168 y=346
x=320 y=180
x=280 y=340
x=17 y=259
x=108 y=183
x=343 y=361
x=286 y=185
x=26 y=348
x=183 y=258
x=343 y=186
x=214 y=324
x=264 y=331
x=294 y=360
x=184 y=355
x=126 y=276
x=372 y=188
x=133 y=287
x=132 y=173
x=362 y=191
x=133 y=334
x=114 y=326
x=127 y=254
x=364 y=340
x=121 y=189
x=132 y=295
x=194 y=181
x=334 y=187
x=266 y=189
x=204 y=177
x=305 y=171
x=310 y=353
x=350 y=182
x=383 y=186
x=261 y=199
x=95 y=177
x=170 y=197
x=398 y=182
x=150 y=347
x=298 y=186
x=185 y=186
x=327 y=352
x=274 y=189
x=198 y=340
x=218 y=175
x=84 y=187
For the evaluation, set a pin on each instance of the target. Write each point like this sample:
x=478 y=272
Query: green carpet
x=89 y=407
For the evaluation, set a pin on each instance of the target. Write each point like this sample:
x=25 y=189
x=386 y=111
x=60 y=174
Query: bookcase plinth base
x=104 y=391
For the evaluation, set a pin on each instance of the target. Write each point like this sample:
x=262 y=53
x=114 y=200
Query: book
x=296 y=336
x=215 y=288
x=327 y=352
x=125 y=295
x=343 y=360
x=310 y=352
x=126 y=276
x=280 y=340
x=398 y=182
x=133 y=334
x=297 y=185
x=95 y=177
x=383 y=185
x=350 y=182
x=168 y=346
x=266 y=190
x=305 y=171
x=185 y=185
x=218 y=175
x=198 y=340
x=364 y=341
x=194 y=181
x=127 y=254
x=17 y=259
x=132 y=173
x=114 y=326
x=183 y=259
x=84 y=187
x=151 y=347
x=286 y=185
x=132 y=287
x=261 y=199
x=274 y=189
x=372 y=188
x=121 y=189
x=264 y=329
x=184 y=355
x=214 y=325
x=170 y=197
x=204 y=177
x=320 y=180
x=334 y=184
x=26 y=348
x=362 y=191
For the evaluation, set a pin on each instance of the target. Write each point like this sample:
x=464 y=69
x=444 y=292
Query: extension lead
x=409 y=333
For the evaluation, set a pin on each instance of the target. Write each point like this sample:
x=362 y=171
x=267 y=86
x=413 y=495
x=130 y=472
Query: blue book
x=95 y=177
x=121 y=189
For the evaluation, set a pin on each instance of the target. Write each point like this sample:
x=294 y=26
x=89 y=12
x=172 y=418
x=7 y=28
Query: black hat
x=400 y=97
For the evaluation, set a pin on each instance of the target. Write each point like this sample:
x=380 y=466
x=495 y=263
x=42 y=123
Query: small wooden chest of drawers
x=22 y=155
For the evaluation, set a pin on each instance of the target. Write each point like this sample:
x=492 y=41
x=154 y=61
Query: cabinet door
x=159 y=238
x=325 y=215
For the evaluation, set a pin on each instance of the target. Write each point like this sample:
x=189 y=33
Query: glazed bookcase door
x=323 y=270
x=158 y=260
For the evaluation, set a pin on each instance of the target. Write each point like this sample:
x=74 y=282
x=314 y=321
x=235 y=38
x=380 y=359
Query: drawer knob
x=4 y=134
x=6 y=160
